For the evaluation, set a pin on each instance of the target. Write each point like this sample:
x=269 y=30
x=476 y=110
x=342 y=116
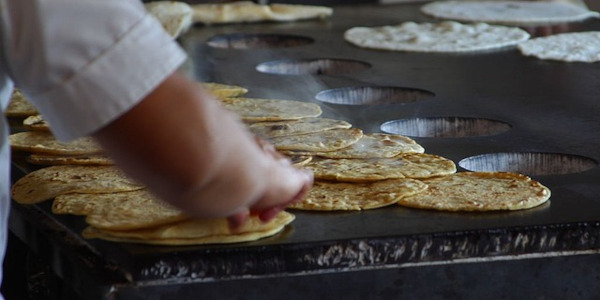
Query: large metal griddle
x=551 y=107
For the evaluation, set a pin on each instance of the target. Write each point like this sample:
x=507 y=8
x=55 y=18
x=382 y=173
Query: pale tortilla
x=567 y=47
x=329 y=140
x=260 y=110
x=46 y=143
x=417 y=165
x=479 y=191
x=47 y=183
x=509 y=12
x=223 y=91
x=444 y=37
x=249 y=12
x=330 y=196
x=196 y=232
x=174 y=16
x=371 y=145
x=307 y=125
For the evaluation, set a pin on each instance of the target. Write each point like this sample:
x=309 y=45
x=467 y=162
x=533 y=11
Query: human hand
x=284 y=179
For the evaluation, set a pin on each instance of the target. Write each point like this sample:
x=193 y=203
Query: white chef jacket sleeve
x=83 y=63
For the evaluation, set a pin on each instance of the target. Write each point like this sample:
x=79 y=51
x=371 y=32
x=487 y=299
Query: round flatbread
x=174 y=16
x=508 y=12
x=372 y=145
x=329 y=140
x=46 y=143
x=260 y=110
x=80 y=160
x=223 y=91
x=479 y=191
x=249 y=12
x=307 y=125
x=36 y=122
x=196 y=232
x=329 y=196
x=104 y=203
x=300 y=160
x=19 y=106
x=568 y=47
x=444 y=37
x=417 y=165
x=47 y=183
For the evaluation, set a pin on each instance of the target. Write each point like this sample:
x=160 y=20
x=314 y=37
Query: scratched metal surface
x=552 y=107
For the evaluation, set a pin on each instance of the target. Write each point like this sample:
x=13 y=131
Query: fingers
x=285 y=185
x=237 y=220
x=268 y=214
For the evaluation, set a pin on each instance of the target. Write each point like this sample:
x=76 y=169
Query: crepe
x=19 y=106
x=36 y=123
x=87 y=160
x=285 y=128
x=329 y=140
x=223 y=91
x=196 y=231
x=174 y=16
x=47 y=183
x=443 y=37
x=509 y=12
x=248 y=12
x=417 y=165
x=260 y=110
x=46 y=143
x=329 y=196
x=371 y=145
x=479 y=191
x=567 y=47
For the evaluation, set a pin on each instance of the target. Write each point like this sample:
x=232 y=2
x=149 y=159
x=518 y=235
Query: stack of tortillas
x=353 y=171
x=81 y=181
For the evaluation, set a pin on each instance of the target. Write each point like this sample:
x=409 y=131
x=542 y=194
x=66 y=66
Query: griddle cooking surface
x=551 y=107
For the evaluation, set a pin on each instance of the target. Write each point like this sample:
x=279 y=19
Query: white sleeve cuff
x=113 y=83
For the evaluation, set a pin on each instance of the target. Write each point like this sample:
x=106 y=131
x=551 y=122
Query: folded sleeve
x=83 y=63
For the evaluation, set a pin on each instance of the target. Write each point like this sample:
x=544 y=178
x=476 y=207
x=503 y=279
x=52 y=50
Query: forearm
x=188 y=150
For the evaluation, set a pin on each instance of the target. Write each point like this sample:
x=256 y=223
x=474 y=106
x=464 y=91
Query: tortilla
x=417 y=165
x=84 y=160
x=285 y=128
x=329 y=196
x=479 y=191
x=300 y=160
x=223 y=91
x=371 y=145
x=102 y=203
x=174 y=16
x=196 y=232
x=567 y=47
x=19 y=106
x=36 y=123
x=139 y=213
x=444 y=37
x=509 y=12
x=46 y=143
x=249 y=12
x=329 y=140
x=47 y=183
x=260 y=110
